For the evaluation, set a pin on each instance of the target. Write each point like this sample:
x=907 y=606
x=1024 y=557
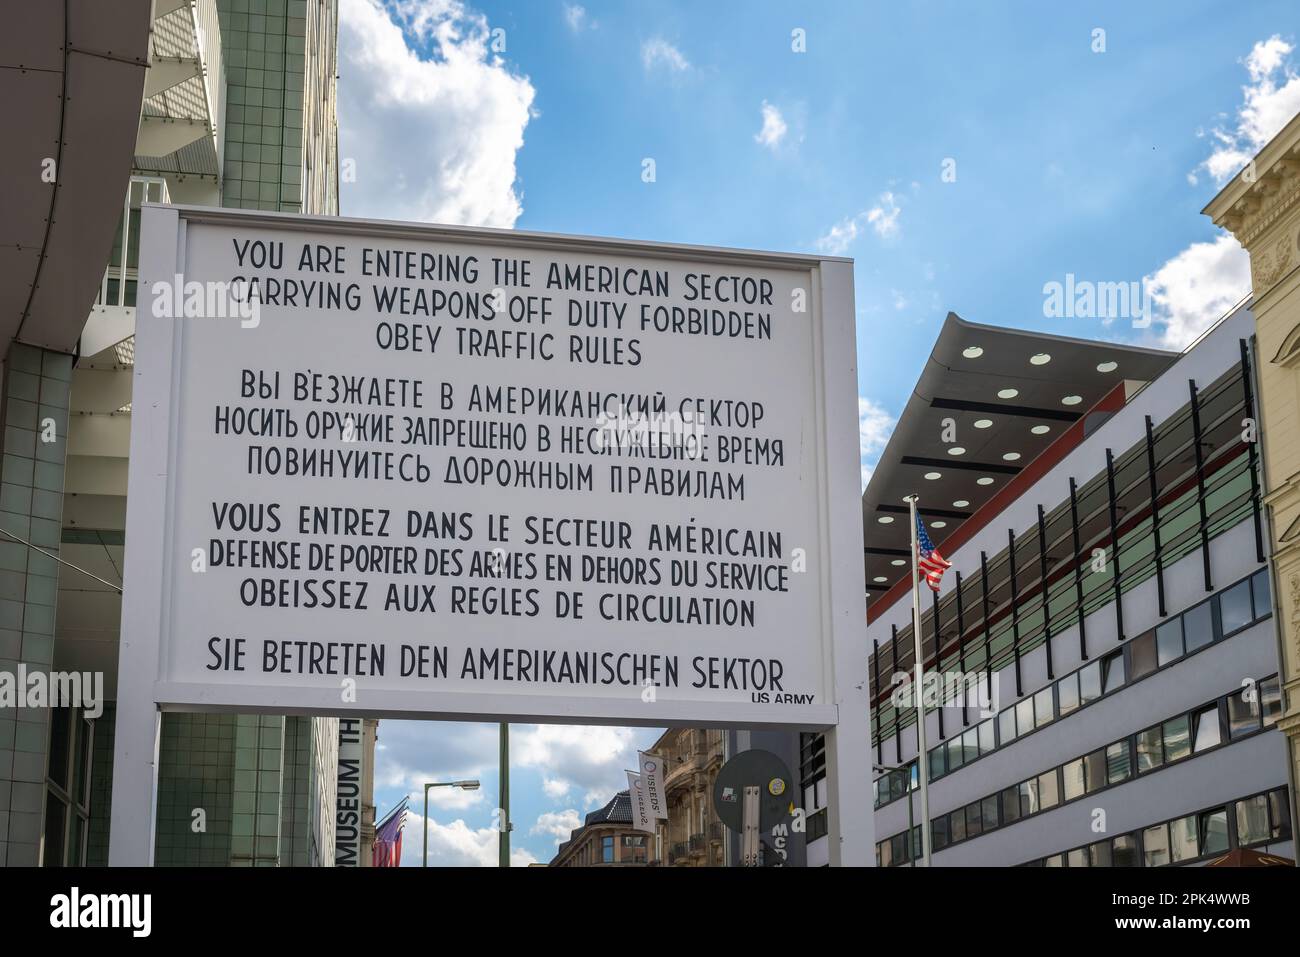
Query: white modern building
x=1107 y=623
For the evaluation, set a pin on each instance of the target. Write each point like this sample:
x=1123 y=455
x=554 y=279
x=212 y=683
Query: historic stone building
x=1261 y=208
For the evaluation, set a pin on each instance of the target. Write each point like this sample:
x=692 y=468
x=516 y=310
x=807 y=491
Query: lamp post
x=466 y=785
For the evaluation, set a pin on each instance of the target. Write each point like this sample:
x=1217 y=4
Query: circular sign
x=767 y=774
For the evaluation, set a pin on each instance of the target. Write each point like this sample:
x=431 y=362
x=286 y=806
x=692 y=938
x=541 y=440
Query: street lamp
x=906 y=769
x=464 y=785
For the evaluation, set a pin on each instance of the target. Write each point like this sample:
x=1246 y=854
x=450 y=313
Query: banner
x=641 y=818
x=652 y=777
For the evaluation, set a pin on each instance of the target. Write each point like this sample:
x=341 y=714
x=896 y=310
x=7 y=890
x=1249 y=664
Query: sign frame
x=143 y=692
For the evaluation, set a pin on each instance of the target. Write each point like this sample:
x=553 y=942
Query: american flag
x=929 y=562
x=388 y=838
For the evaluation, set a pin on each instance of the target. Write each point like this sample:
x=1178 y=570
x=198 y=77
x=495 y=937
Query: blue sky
x=1068 y=158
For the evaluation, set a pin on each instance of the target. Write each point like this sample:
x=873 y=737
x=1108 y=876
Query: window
x=634 y=848
x=1011 y=805
x=1178 y=735
x=989 y=812
x=1056 y=860
x=1243 y=711
x=1112 y=669
x=1099 y=854
x=1279 y=813
x=898 y=848
x=1067 y=693
x=987 y=737
x=939 y=832
x=1025 y=715
x=1198 y=626
x=1212 y=831
x=1007 y=726
x=974 y=822
x=1142 y=655
x=1094 y=771
x=1090 y=683
x=1048 y=795
x=1150 y=749
x=1077 y=857
x=970 y=745
x=1252 y=820
x=1206 y=731
x=954 y=753
x=1270 y=696
x=1234 y=608
x=1044 y=707
x=884 y=854
x=1260 y=593
x=957 y=825
x=607 y=850
x=1072 y=776
x=1118 y=764
x=1155 y=845
x=1182 y=839
x=1169 y=642
x=936 y=763
x=1028 y=797
x=1124 y=851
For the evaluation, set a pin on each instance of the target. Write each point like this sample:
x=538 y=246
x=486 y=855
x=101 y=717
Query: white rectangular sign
x=474 y=473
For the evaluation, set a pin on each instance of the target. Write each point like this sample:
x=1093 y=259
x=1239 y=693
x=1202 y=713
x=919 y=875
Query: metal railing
x=118 y=285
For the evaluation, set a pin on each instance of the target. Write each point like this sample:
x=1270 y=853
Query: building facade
x=1106 y=632
x=692 y=836
x=234 y=104
x=1261 y=208
x=608 y=839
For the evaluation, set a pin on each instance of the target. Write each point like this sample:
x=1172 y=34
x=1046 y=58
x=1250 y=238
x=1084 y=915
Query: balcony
x=716 y=833
x=677 y=853
x=698 y=843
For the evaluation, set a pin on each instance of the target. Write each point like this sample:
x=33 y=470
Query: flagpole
x=918 y=696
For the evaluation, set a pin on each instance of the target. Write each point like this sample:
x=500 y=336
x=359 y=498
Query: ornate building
x=607 y=838
x=692 y=836
x=1261 y=208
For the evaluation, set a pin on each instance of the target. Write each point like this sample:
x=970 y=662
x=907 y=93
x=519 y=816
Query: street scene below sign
x=399 y=469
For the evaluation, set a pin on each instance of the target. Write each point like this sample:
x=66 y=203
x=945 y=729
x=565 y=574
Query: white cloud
x=432 y=136
x=774 y=127
x=1194 y=289
x=555 y=788
x=882 y=217
x=1269 y=101
x=576 y=17
x=659 y=52
x=573 y=758
x=875 y=425
x=560 y=824
x=455 y=844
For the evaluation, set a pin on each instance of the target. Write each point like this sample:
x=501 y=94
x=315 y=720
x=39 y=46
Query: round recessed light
x=956 y=450
x=1010 y=456
x=1041 y=429
x=984 y=481
x=1008 y=393
x=885 y=519
x=983 y=423
x=972 y=352
x=898 y=561
x=938 y=524
x=1072 y=400
x=879 y=579
x=1040 y=359
x=1107 y=366
x=931 y=476
x=960 y=503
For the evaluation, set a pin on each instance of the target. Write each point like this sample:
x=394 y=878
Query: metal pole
x=922 y=758
x=425 y=860
x=503 y=840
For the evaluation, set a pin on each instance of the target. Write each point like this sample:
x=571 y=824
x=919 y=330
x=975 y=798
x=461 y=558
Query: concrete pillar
x=34 y=413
